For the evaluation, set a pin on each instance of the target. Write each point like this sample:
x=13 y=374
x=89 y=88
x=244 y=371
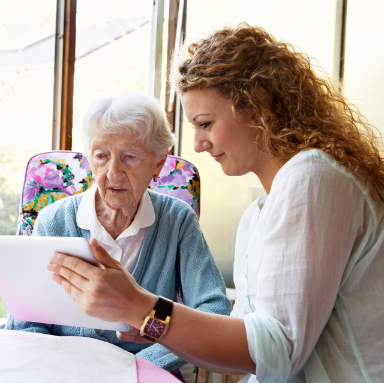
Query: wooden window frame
x=339 y=45
x=176 y=33
x=65 y=47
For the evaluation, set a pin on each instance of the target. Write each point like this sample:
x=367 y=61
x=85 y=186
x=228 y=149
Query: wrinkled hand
x=110 y=294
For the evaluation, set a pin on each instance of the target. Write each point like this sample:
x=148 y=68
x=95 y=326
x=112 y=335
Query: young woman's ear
x=264 y=96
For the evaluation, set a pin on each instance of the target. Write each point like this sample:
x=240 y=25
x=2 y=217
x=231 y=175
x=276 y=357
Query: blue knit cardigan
x=175 y=232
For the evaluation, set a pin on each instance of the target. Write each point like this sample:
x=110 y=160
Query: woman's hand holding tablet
x=94 y=289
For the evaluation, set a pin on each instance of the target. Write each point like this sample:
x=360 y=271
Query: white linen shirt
x=126 y=248
x=309 y=276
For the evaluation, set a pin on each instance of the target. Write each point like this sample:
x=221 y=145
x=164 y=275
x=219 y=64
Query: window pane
x=113 y=41
x=364 y=59
x=307 y=24
x=27 y=47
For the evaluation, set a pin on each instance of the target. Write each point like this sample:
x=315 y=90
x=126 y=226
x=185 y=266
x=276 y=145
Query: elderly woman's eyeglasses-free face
x=123 y=168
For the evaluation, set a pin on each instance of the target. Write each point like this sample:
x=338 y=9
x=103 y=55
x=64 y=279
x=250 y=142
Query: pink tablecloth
x=146 y=371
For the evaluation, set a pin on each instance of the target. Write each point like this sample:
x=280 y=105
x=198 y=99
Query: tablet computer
x=26 y=286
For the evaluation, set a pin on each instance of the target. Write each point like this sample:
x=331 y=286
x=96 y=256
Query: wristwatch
x=155 y=325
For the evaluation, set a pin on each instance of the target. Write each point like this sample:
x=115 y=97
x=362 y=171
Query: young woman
x=309 y=258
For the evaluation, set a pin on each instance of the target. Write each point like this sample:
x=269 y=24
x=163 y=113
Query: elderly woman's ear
x=159 y=166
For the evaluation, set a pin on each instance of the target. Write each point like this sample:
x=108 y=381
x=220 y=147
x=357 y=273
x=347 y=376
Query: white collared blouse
x=126 y=248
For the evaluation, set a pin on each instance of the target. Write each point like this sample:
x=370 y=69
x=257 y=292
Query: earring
x=155 y=178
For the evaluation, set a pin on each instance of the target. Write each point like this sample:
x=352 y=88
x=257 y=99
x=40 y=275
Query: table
x=146 y=371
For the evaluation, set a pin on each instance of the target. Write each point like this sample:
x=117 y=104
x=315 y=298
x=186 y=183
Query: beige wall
x=364 y=60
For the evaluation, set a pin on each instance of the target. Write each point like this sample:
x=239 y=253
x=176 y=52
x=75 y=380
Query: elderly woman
x=126 y=138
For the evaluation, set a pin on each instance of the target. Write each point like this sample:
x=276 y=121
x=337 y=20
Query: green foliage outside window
x=12 y=169
x=9 y=206
x=3 y=310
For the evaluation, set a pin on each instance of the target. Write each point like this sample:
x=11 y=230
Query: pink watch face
x=154 y=328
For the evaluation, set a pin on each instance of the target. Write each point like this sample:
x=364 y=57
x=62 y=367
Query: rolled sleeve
x=268 y=347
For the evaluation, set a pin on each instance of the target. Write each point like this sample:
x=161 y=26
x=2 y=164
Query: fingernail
x=50 y=266
x=54 y=276
x=55 y=256
x=96 y=243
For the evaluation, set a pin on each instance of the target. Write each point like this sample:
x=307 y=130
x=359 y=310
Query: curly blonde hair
x=303 y=109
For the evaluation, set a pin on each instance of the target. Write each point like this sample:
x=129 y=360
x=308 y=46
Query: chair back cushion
x=54 y=175
x=179 y=178
x=50 y=177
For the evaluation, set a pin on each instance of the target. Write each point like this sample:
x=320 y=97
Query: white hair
x=126 y=113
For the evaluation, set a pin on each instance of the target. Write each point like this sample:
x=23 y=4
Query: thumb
x=103 y=256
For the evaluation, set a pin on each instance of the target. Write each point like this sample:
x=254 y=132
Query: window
x=113 y=42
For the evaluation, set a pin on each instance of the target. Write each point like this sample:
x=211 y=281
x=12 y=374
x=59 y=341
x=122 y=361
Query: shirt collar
x=145 y=217
x=261 y=200
x=86 y=214
x=86 y=217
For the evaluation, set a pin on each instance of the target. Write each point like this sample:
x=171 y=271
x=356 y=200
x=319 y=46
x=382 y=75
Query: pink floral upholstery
x=179 y=178
x=58 y=174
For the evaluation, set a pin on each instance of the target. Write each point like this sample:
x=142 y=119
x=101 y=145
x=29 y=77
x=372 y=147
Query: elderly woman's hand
x=111 y=294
